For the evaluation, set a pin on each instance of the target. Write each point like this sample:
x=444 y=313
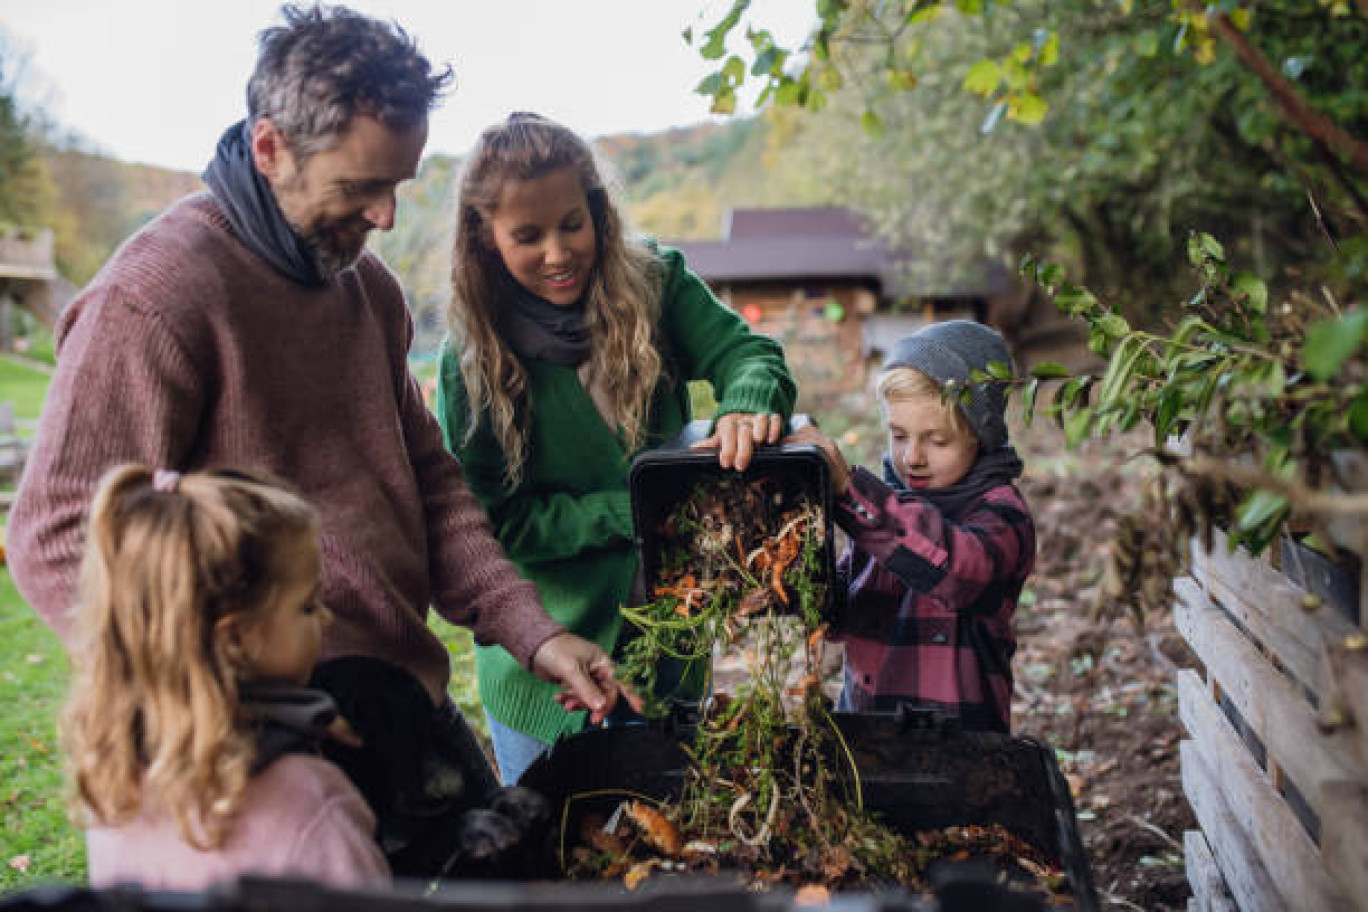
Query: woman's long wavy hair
x=153 y=715
x=621 y=304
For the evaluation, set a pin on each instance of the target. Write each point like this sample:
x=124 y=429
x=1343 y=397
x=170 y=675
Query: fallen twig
x=1146 y=825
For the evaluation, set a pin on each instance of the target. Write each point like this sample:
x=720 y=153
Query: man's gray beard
x=328 y=262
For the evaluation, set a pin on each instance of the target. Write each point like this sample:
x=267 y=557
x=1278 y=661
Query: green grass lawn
x=25 y=386
x=42 y=347
x=38 y=844
x=460 y=644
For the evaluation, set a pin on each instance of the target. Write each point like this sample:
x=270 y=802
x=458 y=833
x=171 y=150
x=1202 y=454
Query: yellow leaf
x=1049 y=52
x=1027 y=108
x=872 y=124
x=983 y=77
x=902 y=80
x=1016 y=74
x=1035 y=868
x=638 y=872
x=1241 y=18
x=1206 y=50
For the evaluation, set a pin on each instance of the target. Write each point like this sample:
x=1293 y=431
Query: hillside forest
x=1151 y=132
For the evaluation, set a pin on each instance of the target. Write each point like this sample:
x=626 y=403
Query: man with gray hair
x=248 y=326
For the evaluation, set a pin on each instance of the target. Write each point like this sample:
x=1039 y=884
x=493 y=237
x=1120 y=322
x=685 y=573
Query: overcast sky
x=156 y=81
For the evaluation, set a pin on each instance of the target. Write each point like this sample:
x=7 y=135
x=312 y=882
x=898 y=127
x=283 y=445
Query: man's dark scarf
x=251 y=208
x=991 y=470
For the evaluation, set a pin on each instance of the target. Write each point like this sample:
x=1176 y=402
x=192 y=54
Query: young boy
x=941 y=545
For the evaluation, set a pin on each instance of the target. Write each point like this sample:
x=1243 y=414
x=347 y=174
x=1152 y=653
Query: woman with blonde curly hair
x=192 y=744
x=572 y=345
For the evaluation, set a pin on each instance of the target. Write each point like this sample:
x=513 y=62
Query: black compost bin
x=286 y=895
x=663 y=477
x=918 y=772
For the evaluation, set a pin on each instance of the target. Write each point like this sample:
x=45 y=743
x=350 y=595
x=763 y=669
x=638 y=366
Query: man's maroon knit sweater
x=188 y=351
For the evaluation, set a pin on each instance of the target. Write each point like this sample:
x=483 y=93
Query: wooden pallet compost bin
x=1275 y=764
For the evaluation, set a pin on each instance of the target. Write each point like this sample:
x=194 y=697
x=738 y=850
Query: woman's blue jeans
x=514 y=751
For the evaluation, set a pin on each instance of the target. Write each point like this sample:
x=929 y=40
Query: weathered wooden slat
x=1209 y=890
x=1344 y=838
x=1280 y=846
x=1349 y=531
x=1344 y=683
x=1313 y=571
x=1236 y=859
x=1270 y=607
x=1269 y=703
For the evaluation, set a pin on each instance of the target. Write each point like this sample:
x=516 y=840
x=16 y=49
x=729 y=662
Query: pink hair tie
x=166 y=480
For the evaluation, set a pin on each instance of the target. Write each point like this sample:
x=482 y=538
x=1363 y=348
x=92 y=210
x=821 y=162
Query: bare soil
x=1097 y=686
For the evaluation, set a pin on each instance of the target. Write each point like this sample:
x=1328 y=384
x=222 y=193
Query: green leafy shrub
x=1248 y=400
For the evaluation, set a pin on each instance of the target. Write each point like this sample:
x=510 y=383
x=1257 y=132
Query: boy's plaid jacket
x=927 y=618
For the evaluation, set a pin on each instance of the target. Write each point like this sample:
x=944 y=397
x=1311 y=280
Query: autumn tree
x=1099 y=135
x=25 y=189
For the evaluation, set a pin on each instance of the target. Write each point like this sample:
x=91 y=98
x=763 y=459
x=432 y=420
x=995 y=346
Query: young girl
x=191 y=742
x=942 y=544
x=574 y=346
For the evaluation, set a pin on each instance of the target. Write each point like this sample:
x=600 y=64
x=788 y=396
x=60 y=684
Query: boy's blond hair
x=153 y=713
x=902 y=383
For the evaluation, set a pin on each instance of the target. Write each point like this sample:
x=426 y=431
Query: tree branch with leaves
x=1247 y=401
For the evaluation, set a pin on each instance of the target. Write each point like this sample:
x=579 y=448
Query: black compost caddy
x=918 y=771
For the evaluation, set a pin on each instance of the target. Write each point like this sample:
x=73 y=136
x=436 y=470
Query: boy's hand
x=584 y=672
x=737 y=434
x=840 y=472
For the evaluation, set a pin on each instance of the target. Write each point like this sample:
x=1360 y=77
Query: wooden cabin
x=28 y=280
x=819 y=281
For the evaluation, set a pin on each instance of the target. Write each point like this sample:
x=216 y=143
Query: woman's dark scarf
x=251 y=208
x=287 y=719
x=991 y=470
x=535 y=328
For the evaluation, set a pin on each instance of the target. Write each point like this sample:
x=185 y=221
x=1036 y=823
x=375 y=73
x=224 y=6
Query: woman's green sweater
x=568 y=524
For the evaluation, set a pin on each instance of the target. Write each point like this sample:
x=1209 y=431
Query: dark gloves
x=439 y=809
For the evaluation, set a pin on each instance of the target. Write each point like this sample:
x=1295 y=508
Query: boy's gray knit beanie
x=949 y=351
